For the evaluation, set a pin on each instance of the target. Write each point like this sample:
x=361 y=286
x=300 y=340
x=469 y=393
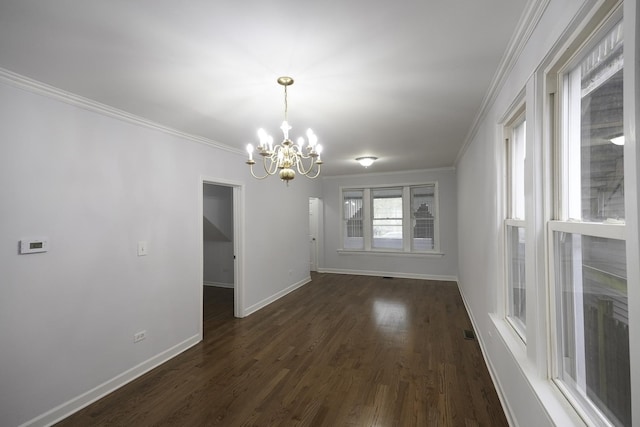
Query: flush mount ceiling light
x=366 y=161
x=286 y=156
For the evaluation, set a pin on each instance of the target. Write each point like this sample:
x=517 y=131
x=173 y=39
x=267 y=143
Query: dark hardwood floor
x=340 y=351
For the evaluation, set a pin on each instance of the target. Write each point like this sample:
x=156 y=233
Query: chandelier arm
x=319 y=165
x=254 y=175
x=300 y=165
x=273 y=165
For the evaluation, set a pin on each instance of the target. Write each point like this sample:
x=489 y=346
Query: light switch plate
x=143 y=249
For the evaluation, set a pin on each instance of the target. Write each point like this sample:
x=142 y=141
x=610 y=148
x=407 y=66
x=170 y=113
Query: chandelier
x=283 y=158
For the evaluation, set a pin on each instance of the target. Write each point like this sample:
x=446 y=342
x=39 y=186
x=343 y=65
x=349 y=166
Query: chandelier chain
x=286 y=105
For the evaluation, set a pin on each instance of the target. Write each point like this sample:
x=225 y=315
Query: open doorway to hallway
x=219 y=246
x=218 y=236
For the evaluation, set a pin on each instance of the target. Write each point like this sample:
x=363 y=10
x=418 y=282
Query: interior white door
x=313 y=234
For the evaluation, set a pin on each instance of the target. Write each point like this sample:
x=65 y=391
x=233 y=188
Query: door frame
x=238 y=242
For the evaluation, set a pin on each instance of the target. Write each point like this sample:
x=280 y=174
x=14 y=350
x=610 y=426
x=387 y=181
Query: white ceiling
x=402 y=80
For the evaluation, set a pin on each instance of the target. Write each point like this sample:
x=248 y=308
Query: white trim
x=390 y=274
x=265 y=302
x=632 y=183
x=34 y=86
x=515 y=222
x=548 y=397
x=607 y=231
x=399 y=253
x=375 y=174
x=85 y=399
x=238 y=240
x=526 y=25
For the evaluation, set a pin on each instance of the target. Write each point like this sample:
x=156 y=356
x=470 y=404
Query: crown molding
x=526 y=25
x=22 y=82
x=392 y=173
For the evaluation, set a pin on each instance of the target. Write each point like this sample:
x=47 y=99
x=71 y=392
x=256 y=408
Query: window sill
x=557 y=407
x=391 y=253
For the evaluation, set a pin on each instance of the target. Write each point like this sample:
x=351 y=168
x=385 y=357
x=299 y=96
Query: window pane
x=387 y=218
x=422 y=210
x=517 y=307
x=595 y=133
x=517 y=150
x=352 y=219
x=592 y=309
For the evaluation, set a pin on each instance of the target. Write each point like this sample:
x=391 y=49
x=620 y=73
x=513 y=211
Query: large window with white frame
x=391 y=219
x=587 y=247
x=514 y=224
x=386 y=218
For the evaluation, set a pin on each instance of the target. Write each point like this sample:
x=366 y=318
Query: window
x=587 y=239
x=387 y=218
x=397 y=219
x=515 y=225
x=353 y=232
x=423 y=201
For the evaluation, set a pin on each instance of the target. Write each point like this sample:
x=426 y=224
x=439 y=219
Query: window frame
x=373 y=224
x=564 y=205
x=345 y=221
x=407 y=220
x=511 y=221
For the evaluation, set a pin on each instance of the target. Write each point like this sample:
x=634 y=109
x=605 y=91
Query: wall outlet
x=139 y=336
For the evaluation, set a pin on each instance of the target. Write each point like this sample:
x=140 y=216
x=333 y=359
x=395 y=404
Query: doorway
x=217 y=236
x=220 y=216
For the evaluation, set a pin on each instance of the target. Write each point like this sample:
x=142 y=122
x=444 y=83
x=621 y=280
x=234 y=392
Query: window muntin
x=399 y=219
x=591 y=355
x=352 y=219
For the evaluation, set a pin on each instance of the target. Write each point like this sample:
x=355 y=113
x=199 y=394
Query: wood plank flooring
x=340 y=351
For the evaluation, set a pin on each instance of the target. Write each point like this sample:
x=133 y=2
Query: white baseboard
x=257 y=306
x=390 y=274
x=218 y=284
x=77 y=403
x=492 y=373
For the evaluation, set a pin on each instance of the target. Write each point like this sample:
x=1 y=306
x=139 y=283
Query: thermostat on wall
x=33 y=245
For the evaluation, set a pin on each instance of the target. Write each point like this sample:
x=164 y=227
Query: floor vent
x=387 y=277
x=468 y=334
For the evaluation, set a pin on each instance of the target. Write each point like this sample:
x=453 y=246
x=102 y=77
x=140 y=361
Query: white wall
x=95 y=186
x=427 y=267
x=520 y=373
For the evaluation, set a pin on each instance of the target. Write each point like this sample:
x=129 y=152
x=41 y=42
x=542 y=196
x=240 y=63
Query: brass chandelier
x=283 y=158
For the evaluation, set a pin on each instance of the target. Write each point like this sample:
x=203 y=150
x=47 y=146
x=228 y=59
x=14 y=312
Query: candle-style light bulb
x=313 y=139
x=262 y=136
x=250 y=151
x=285 y=129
